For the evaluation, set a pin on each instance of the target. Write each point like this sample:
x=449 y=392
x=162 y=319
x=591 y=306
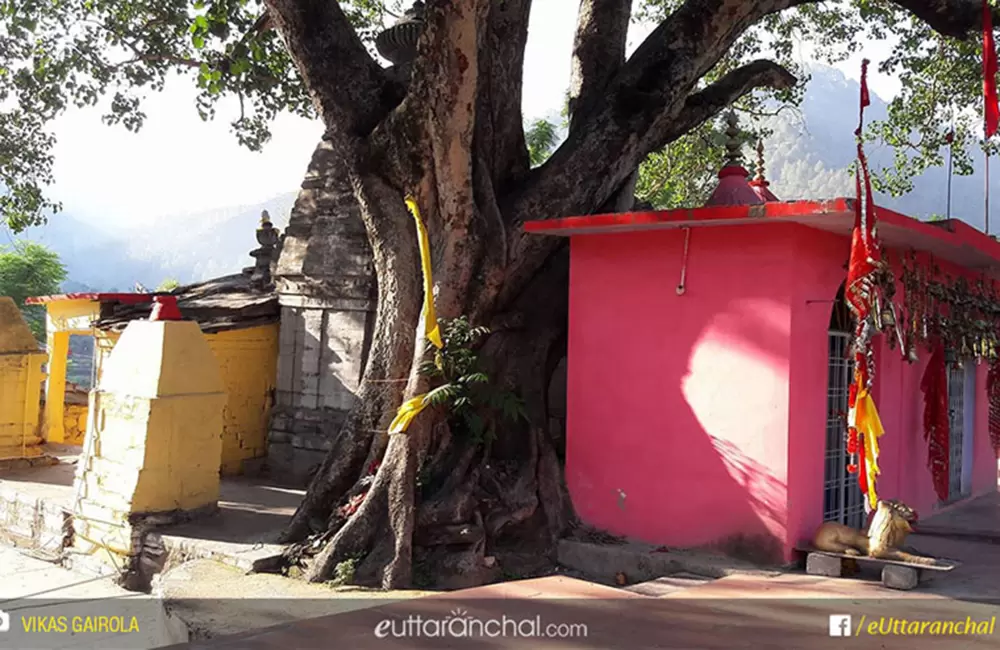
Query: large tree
x=476 y=467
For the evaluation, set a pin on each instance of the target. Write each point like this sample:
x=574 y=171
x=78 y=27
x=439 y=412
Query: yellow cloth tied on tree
x=433 y=332
x=412 y=407
x=869 y=426
x=409 y=410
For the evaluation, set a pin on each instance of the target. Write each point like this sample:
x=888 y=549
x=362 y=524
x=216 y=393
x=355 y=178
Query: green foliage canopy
x=56 y=54
x=941 y=79
x=541 y=138
x=29 y=269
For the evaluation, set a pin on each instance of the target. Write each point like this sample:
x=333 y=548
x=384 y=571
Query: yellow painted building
x=21 y=377
x=156 y=441
x=240 y=326
x=248 y=365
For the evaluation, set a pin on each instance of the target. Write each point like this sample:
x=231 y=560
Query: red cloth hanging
x=993 y=393
x=935 y=387
x=865 y=252
x=992 y=104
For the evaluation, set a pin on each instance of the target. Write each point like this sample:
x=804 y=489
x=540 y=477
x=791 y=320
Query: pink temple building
x=708 y=371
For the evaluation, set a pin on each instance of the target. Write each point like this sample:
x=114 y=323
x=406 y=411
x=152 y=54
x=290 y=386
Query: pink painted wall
x=820 y=258
x=715 y=400
x=677 y=406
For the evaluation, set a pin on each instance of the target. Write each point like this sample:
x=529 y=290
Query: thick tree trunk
x=459 y=500
x=434 y=505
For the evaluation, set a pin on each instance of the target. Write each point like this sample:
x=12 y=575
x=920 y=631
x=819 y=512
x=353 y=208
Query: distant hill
x=188 y=248
x=809 y=153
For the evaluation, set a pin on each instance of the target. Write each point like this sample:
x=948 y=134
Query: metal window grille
x=956 y=429
x=842 y=498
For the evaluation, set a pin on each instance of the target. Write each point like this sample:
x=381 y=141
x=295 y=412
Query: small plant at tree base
x=474 y=404
x=345 y=571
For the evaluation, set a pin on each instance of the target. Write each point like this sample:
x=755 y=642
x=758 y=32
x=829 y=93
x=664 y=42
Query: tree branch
x=635 y=114
x=955 y=18
x=598 y=52
x=697 y=108
x=499 y=120
x=642 y=99
x=707 y=103
x=349 y=89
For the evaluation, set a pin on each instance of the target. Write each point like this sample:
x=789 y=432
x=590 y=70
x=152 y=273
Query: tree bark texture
x=429 y=505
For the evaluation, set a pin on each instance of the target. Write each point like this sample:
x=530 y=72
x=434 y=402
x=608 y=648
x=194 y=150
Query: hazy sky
x=178 y=164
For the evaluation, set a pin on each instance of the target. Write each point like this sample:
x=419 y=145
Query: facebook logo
x=840 y=625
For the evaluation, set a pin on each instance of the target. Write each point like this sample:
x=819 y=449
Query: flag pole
x=991 y=103
x=951 y=136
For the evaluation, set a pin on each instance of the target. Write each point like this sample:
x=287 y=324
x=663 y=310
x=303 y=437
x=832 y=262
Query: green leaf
x=198 y=41
x=441 y=394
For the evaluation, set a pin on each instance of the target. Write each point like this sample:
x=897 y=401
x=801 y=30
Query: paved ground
x=980 y=518
x=214 y=599
x=733 y=612
x=32 y=590
x=736 y=611
x=252 y=513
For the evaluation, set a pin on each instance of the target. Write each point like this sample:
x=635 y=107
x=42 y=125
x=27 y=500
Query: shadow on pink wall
x=678 y=405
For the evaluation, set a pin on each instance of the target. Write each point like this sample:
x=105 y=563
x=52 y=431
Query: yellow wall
x=21 y=376
x=75 y=423
x=248 y=363
x=63 y=319
x=156 y=441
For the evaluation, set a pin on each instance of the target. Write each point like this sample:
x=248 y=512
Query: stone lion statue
x=885 y=538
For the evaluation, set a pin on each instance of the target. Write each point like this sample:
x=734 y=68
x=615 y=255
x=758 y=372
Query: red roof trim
x=717 y=215
x=124 y=298
x=964 y=245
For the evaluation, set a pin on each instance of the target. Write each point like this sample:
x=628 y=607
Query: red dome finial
x=165 y=308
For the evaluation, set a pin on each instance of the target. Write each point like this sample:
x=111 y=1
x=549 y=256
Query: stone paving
x=34 y=589
x=743 y=610
x=977 y=519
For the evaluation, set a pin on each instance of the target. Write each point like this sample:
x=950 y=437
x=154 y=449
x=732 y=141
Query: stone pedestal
x=153 y=450
x=326 y=286
x=21 y=375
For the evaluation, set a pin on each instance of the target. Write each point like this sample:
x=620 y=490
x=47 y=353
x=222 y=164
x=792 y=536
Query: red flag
x=990 y=73
x=865 y=255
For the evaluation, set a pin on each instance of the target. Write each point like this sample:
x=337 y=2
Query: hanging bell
x=888 y=318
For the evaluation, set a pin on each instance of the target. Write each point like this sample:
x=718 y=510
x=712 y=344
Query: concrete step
x=668 y=584
x=643 y=562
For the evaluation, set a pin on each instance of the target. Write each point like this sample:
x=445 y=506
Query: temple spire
x=760 y=160
x=734 y=155
x=760 y=184
x=733 y=188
